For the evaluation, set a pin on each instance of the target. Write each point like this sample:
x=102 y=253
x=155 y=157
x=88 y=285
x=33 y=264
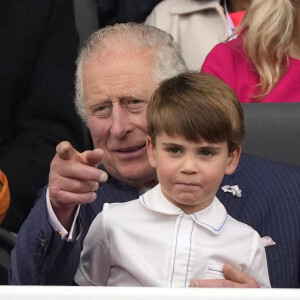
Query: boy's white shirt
x=152 y=242
x=75 y=231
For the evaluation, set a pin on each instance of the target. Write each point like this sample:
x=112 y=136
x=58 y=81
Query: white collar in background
x=230 y=25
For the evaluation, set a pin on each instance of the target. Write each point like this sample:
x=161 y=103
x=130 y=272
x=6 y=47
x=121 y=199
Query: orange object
x=4 y=196
x=237 y=17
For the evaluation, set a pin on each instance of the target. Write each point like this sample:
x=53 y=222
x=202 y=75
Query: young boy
x=178 y=231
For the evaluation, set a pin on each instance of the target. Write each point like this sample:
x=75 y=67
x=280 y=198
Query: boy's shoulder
x=118 y=207
x=232 y=226
x=235 y=226
x=242 y=234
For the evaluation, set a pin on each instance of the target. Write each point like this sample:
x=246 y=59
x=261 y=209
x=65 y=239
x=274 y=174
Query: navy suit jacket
x=270 y=203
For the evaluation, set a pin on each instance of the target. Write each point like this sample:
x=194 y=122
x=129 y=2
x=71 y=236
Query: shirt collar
x=213 y=217
x=191 y=6
x=156 y=201
x=230 y=25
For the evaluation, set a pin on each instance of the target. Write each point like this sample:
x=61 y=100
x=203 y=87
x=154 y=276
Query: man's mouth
x=129 y=153
x=131 y=149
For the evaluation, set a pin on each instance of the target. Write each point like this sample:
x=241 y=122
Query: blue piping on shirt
x=215 y=229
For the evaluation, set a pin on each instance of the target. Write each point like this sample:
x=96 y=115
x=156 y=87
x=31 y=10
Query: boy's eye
x=174 y=150
x=206 y=153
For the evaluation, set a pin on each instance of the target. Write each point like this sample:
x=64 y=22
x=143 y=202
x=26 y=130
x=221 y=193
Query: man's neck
x=143 y=190
x=146 y=184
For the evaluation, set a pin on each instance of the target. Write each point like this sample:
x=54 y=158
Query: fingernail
x=94 y=196
x=103 y=177
x=96 y=187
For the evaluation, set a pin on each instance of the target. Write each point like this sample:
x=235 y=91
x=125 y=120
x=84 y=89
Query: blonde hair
x=268 y=30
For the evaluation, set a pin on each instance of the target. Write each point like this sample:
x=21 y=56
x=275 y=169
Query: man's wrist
x=69 y=234
x=65 y=216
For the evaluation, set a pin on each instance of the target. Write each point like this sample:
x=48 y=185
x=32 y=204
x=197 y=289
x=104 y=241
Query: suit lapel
x=233 y=204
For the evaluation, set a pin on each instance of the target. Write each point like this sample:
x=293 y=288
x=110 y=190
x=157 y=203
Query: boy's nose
x=189 y=165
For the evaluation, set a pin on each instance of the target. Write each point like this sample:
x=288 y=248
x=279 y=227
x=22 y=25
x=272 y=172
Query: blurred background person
x=37 y=62
x=90 y=15
x=198 y=25
x=263 y=62
x=123 y=11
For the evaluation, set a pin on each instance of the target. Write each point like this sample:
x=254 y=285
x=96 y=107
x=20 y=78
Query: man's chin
x=138 y=176
x=139 y=179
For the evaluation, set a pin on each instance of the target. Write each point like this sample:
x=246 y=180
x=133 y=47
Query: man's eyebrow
x=135 y=97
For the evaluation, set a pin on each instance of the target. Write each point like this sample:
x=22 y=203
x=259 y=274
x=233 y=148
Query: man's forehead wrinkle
x=108 y=81
x=124 y=84
x=110 y=91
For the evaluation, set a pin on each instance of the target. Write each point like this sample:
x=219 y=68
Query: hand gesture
x=73 y=180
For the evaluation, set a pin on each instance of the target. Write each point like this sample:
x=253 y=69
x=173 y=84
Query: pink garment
x=229 y=62
x=237 y=17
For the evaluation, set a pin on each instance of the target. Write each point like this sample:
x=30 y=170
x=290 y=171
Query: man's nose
x=120 y=122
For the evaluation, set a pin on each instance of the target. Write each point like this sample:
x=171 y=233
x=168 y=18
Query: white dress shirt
x=152 y=242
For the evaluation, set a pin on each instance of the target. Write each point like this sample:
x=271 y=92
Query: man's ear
x=233 y=160
x=151 y=152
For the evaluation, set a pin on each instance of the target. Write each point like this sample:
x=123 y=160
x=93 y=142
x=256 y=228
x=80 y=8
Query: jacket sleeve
x=40 y=256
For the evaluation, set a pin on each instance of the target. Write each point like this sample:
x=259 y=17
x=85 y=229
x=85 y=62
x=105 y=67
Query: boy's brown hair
x=196 y=106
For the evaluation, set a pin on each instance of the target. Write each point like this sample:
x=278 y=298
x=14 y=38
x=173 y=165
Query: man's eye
x=103 y=111
x=134 y=102
x=102 y=108
x=134 y=105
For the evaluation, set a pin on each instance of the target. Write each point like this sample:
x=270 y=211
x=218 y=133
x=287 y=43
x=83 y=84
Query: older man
x=117 y=72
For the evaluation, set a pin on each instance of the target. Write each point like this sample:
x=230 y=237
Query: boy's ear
x=233 y=160
x=151 y=152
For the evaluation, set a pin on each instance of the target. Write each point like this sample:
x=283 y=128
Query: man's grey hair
x=167 y=60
